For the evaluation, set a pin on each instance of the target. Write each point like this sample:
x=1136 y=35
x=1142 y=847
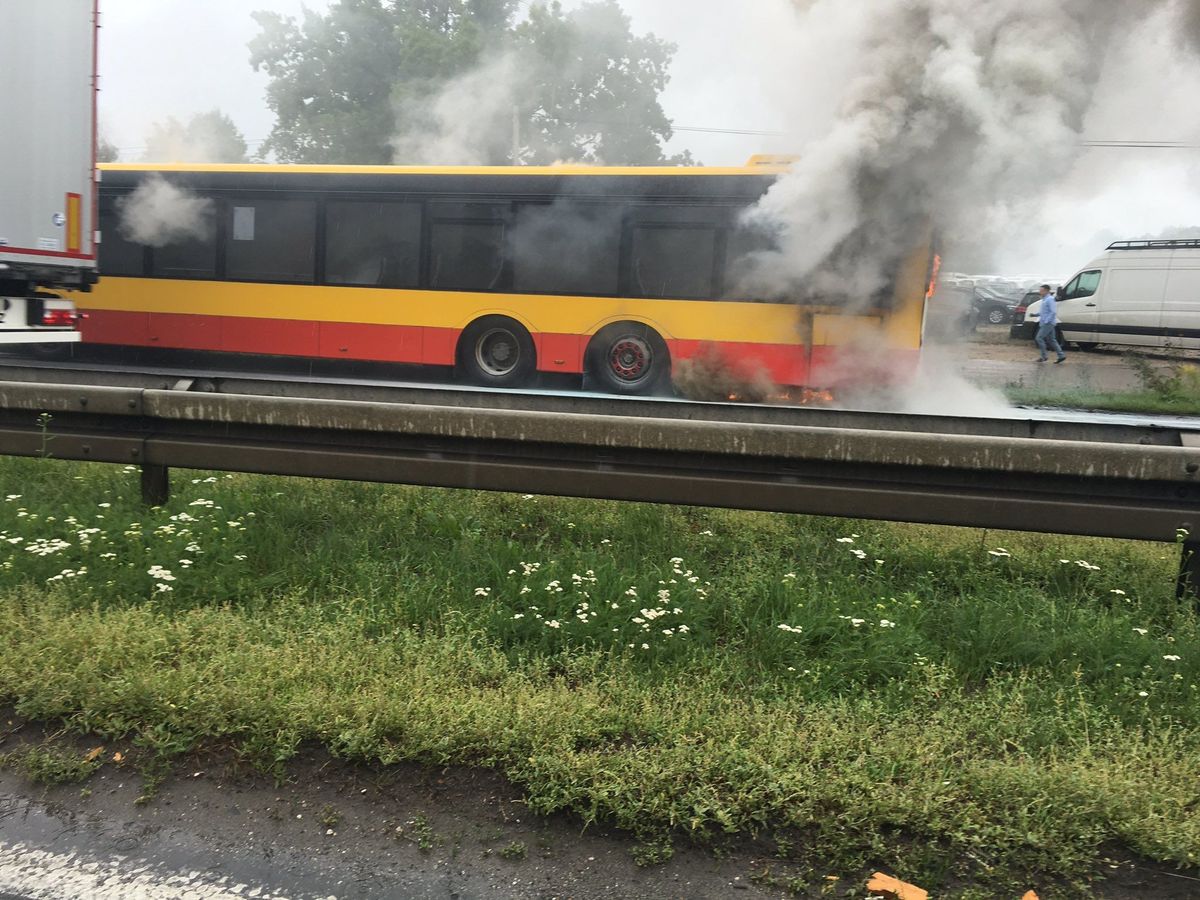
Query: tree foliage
x=106 y=150
x=209 y=137
x=463 y=81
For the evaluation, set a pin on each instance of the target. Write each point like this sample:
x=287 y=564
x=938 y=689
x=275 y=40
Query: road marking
x=35 y=874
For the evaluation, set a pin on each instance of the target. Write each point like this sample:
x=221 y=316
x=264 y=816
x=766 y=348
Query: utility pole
x=516 y=145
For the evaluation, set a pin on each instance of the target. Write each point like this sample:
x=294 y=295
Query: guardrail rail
x=1107 y=481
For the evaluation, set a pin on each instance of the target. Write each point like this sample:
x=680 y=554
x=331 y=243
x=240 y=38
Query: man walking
x=1047 y=323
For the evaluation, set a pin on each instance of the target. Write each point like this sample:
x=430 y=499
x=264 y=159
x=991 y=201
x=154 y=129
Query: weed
x=417 y=830
x=50 y=764
x=653 y=853
x=329 y=816
x=1177 y=381
x=515 y=851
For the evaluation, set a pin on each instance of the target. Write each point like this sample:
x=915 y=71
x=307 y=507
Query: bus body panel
x=201 y=297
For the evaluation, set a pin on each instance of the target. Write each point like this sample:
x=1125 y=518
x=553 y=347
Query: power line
x=1150 y=145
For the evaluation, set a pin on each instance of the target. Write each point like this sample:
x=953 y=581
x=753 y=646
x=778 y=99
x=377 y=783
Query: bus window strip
x=637 y=215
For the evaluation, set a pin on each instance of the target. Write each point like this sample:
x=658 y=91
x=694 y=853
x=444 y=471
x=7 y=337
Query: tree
x=106 y=150
x=591 y=92
x=209 y=137
x=372 y=81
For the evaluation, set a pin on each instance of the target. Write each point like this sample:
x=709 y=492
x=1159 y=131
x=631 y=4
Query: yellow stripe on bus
x=641 y=171
x=702 y=320
x=763 y=323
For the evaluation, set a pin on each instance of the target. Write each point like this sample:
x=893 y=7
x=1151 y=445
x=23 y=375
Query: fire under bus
x=47 y=166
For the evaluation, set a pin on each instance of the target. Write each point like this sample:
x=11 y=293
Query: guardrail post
x=1189 y=569
x=156 y=484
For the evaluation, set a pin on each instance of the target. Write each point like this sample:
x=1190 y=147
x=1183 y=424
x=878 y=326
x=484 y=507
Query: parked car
x=1019 y=328
x=994 y=304
x=1138 y=293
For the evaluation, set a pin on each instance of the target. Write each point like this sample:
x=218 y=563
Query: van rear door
x=1181 y=304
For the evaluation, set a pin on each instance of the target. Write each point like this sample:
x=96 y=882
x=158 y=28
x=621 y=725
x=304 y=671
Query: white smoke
x=950 y=112
x=468 y=122
x=158 y=213
x=1189 y=19
x=209 y=137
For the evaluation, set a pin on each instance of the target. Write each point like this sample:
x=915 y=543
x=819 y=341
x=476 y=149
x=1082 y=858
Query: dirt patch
x=331 y=828
x=990 y=358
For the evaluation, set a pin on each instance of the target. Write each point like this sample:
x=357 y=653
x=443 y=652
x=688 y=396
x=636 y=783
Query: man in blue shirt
x=1047 y=323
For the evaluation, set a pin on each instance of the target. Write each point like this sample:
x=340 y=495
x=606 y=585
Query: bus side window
x=744 y=279
x=372 y=244
x=193 y=255
x=118 y=255
x=566 y=247
x=271 y=240
x=674 y=251
x=466 y=246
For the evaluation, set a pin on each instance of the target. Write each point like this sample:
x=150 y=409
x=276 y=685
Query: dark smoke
x=953 y=113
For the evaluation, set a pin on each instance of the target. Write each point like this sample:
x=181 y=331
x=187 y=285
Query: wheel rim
x=497 y=352
x=996 y=317
x=630 y=359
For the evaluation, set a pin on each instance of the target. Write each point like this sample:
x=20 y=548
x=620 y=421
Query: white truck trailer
x=48 y=229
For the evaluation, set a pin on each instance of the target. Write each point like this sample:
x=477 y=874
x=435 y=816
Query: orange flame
x=789 y=396
x=933 y=277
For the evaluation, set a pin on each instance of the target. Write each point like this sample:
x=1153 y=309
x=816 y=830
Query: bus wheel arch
x=628 y=357
x=496 y=351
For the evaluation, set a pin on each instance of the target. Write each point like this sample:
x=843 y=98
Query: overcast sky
x=179 y=57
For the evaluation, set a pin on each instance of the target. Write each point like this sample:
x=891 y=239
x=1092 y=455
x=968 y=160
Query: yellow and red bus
x=502 y=273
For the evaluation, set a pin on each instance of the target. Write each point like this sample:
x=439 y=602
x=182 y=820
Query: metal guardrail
x=1139 y=483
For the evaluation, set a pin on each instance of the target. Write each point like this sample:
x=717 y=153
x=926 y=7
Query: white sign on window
x=243 y=223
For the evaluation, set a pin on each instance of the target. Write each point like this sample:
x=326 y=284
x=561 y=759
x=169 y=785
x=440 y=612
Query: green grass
x=50 y=764
x=1173 y=389
x=942 y=702
x=1141 y=401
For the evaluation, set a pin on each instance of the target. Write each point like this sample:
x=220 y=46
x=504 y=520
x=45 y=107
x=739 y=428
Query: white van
x=1139 y=293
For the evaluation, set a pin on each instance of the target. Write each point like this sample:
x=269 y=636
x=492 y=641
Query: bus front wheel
x=628 y=358
x=496 y=351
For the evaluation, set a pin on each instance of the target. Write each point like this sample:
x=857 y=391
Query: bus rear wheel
x=496 y=351
x=628 y=358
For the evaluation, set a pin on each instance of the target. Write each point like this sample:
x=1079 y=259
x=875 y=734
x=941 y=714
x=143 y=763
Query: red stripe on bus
x=750 y=363
x=786 y=364
x=275 y=337
x=60 y=254
x=838 y=366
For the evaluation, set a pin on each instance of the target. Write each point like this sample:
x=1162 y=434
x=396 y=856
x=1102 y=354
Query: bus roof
x=754 y=168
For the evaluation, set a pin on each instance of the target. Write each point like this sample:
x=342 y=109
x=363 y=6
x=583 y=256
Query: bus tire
x=52 y=351
x=628 y=358
x=496 y=351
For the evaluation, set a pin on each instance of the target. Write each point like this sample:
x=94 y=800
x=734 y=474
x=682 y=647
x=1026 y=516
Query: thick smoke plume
x=953 y=113
x=468 y=122
x=158 y=213
x=1189 y=15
